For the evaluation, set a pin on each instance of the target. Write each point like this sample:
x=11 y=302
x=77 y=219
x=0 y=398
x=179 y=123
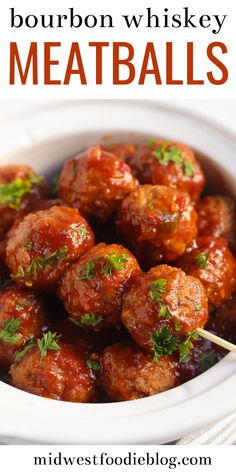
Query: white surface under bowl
x=43 y=141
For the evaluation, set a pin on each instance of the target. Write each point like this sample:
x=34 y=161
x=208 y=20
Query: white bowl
x=44 y=140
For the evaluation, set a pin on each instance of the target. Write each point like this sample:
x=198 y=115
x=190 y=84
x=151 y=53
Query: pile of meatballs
x=105 y=279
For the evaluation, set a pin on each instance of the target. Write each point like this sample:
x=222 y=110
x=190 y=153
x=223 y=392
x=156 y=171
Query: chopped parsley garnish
x=89 y=319
x=29 y=245
x=86 y=271
x=185 y=346
x=151 y=142
x=207 y=360
x=93 y=365
x=169 y=153
x=164 y=311
x=178 y=325
x=150 y=206
x=39 y=263
x=114 y=262
x=157 y=288
x=9 y=333
x=188 y=168
x=19 y=307
x=198 y=307
x=48 y=343
x=76 y=322
x=163 y=343
x=36 y=180
x=82 y=231
x=169 y=222
x=12 y=193
x=201 y=259
x=27 y=348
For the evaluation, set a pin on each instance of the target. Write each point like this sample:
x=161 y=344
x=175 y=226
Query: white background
x=138 y=37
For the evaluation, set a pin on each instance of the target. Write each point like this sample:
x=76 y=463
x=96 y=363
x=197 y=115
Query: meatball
x=161 y=307
x=22 y=317
x=128 y=373
x=53 y=370
x=158 y=223
x=217 y=218
x=210 y=260
x=122 y=151
x=44 y=244
x=93 y=288
x=95 y=182
x=21 y=190
x=168 y=163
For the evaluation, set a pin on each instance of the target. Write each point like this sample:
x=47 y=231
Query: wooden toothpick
x=216 y=339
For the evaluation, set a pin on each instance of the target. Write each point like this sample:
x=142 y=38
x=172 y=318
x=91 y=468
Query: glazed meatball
x=93 y=288
x=59 y=372
x=162 y=306
x=217 y=218
x=44 y=205
x=95 y=182
x=22 y=317
x=128 y=373
x=122 y=151
x=158 y=223
x=44 y=244
x=210 y=260
x=21 y=190
x=168 y=163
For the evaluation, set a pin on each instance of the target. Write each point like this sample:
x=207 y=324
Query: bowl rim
x=121 y=421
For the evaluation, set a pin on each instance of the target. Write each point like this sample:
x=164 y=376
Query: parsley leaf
x=186 y=346
x=86 y=271
x=39 y=263
x=114 y=262
x=157 y=288
x=201 y=259
x=188 y=168
x=168 y=153
x=169 y=222
x=76 y=322
x=36 y=180
x=151 y=142
x=198 y=307
x=9 y=333
x=207 y=360
x=163 y=343
x=29 y=245
x=89 y=319
x=93 y=365
x=19 y=307
x=164 y=312
x=82 y=231
x=178 y=325
x=27 y=348
x=12 y=193
x=48 y=343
